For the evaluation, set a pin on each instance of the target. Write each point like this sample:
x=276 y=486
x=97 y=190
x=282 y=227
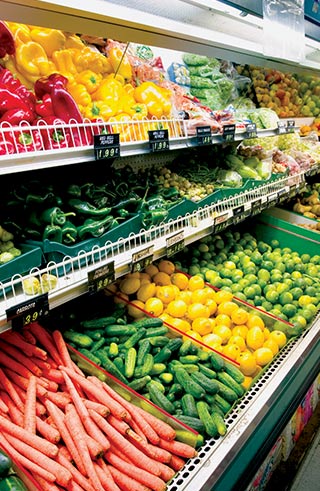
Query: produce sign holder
x=107 y=147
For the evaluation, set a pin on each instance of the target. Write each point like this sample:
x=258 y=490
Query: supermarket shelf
x=149 y=245
x=215 y=31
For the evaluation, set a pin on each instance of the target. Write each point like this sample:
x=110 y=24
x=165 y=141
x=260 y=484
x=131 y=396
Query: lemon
x=279 y=337
x=154 y=306
x=255 y=320
x=232 y=351
x=212 y=340
x=177 y=308
x=165 y=293
x=195 y=310
x=273 y=345
x=239 y=341
x=263 y=356
x=195 y=282
x=180 y=280
x=255 y=338
x=135 y=309
x=199 y=296
x=227 y=307
x=224 y=332
x=147 y=290
x=202 y=325
x=223 y=319
x=223 y=296
x=247 y=363
x=239 y=316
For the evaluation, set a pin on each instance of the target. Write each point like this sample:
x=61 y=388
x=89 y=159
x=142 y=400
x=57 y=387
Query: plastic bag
x=229 y=178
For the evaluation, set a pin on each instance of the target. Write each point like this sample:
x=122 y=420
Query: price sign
x=101 y=277
x=175 y=244
x=283 y=194
x=228 y=132
x=142 y=259
x=29 y=311
x=293 y=191
x=241 y=213
x=291 y=125
x=204 y=136
x=220 y=222
x=251 y=130
x=256 y=207
x=106 y=146
x=159 y=140
x=282 y=127
x=272 y=199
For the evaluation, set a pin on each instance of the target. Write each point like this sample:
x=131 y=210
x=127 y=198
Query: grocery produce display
x=70 y=428
x=9 y=479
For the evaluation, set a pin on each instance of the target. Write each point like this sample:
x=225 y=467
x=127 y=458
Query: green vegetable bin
x=31 y=257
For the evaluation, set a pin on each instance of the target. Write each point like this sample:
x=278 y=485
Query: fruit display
x=308 y=203
x=65 y=425
x=310 y=95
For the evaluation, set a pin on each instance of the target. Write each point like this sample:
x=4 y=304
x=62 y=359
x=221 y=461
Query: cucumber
x=203 y=355
x=194 y=423
x=132 y=340
x=226 y=392
x=189 y=359
x=119 y=363
x=130 y=362
x=147 y=364
x=143 y=350
x=189 y=385
x=166 y=377
x=5 y=464
x=227 y=380
x=120 y=330
x=139 y=383
x=175 y=391
x=190 y=367
x=158 y=398
x=216 y=409
x=87 y=353
x=156 y=331
x=188 y=405
x=97 y=345
x=158 y=368
x=163 y=355
x=219 y=422
x=94 y=334
x=205 y=417
x=100 y=322
x=113 y=350
x=185 y=347
x=234 y=372
x=159 y=341
x=148 y=322
x=222 y=404
x=109 y=366
x=209 y=385
x=207 y=371
x=174 y=344
x=160 y=385
x=12 y=483
x=217 y=362
x=81 y=340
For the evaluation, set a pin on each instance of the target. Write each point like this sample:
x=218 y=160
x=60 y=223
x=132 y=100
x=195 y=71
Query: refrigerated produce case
x=257 y=422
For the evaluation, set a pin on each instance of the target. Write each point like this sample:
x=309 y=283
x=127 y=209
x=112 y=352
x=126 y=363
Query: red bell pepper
x=14 y=85
x=16 y=116
x=6 y=147
x=26 y=140
x=10 y=100
x=44 y=108
x=64 y=105
x=7 y=46
x=57 y=137
x=44 y=85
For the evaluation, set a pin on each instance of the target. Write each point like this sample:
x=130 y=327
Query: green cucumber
x=143 y=350
x=97 y=345
x=174 y=344
x=222 y=404
x=94 y=334
x=188 y=405
x=5 y=464
x=226 y=392
x=189 y=385
x=120 y=330
x=166 y=377
x=209 y=385
x=113 y=350
x=156 y=331
x=175 y=391
x=158 y=368
x=100 y=322
x=185 y=347
x=219 y=422
x=12 y=483
x=194 y=423
x=207 y=371
x=189 y=359
x=109 y=366
x=234 y=372
x=163 y=355
x=139 y=383
x=227 y=380
x=81 y=340
x=130 y=362
x=119 y=363
x=158 y=398
x=147 y=364
x=133 y=340
x=205 y=417
x=148 y=322
x=217 y=362
x=88 y=354
x=158 y=341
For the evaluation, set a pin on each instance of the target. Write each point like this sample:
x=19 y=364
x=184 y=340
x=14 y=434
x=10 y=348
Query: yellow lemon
x=255 y=338
x=270 y=343
x=154 y=306
x=184 y=295
x=135 y=309
x=199 y=296
x=239 y=316
x=180 y=280
x=231 y=351
x=223 y=331
x=263 y=356
x=166 y=293
x=192 y=334
x=246 y=384
x=195 y=310
x=202 y=325
x=147 y=290
x=239 y=341
x=247 y=363
x=211 y=304
x=227 y=307
x=177 y=308
x=255 y=320
x=223 y=296
x=180 y=324
x=279 y=337
x=223 y=319
x=212 y=340
x=240 y=330
x=196 y=282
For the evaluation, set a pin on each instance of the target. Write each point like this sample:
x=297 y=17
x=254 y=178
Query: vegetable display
x=69 y=429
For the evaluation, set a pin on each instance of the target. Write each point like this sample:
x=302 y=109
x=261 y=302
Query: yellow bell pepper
x=109 y=90
x=89 y=79
x=157 y=99
x=20 y=32
x=88 y=59
x=79 y=93
x=73 y=41
x=63 y=61
x=119 y=123
x=50 y=39
x=32 y=60
x=137 y=110
x=99 y=110
x=120 y=63
x=10 y=64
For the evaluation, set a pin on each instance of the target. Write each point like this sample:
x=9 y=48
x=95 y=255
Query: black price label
x=282 y=127
x=101 y=277
x=175 y=244
x=228 y=132
x=273 y=199
x=29 y=311
x=238 y=211
x=256 y=207
x=286 y=127
x=291 y=126
x=142 y=259
x=282 y=194
x=251 y=130
x=106 y=146
x=204 y=136
x=159 y=140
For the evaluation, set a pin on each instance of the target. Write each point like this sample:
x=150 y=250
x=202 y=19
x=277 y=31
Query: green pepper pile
x=70 y=212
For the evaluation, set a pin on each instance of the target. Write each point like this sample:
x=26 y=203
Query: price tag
x=251 y=130
x=286 y=127
x=272 y=199
x=29 y=311
x=293 y=191
x=101 y=277
x=282 y=127
x=283 y=194
x=106 y=146
x=256 y=207
x=175 y=244
x=142 y=259
x=220 y=222
x=204 y=136
x=228 y=132
x=159 y=140
x=291 y=125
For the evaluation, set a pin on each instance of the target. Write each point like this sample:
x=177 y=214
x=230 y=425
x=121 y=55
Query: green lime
x=263 y=246
x=295 y=275
x=267 y=256
x=237 y=275
x=194 y=270
x=307 y=314
x=289 y=282
x=277 y=277
x=252 y=278
x=216 y=282
x=234 y=257
x=281 y=267
x=276 y=312
x=285 y=297
x=194 y=260
x=275 y=243
x=290 y=266
x=272 y=296
x=315 y=259
x=236 y=288
x=268 y=288
x=249 y=291
x=229 y=265
x=226 y=273
x=207 y=256
x=241 y=296
x=296 y=293
x=196 y=253
x=267 y=305
x=311 y=290
x=300 y=283
x=256 y=257
x=257 y=288
x=203 y=247
x=267 y=265
x=264 y=274
x=286 y=250
x=262 y=283
x=289 y=310
x=258 y=300
x=226 y=288
x=299 y=321
x=219 y=244
x=305 y=258
x=312 y=270
x=226 y=282
x=283 y=287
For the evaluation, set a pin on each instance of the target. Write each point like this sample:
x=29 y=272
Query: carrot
x=28 y=336
x=50 y=384
x=15 y=414
x=96 y=406
x=63 y=351
x=125 y=482
x=45 y=339
x=96 y=450
x=22 y=382
x=163 y=429
x=43 y=365
x=40 y=409
x=11 y=390
x=178 y=448
x=137 y=457
x=3 y=407
x=60 y=399
x=35 y=441
x=54 y=375
x=8 y=362
x=29 y=349
x=20 y=357
x=97 y=392
x=152 y=451
x=45 y=485
x=136 y=428
x=63 y=476
x=47 y=431
x=30 y=422
x=83 y=413
x=24 y=461
x=76 y=430
x=105 y=476
x=76 y=474
x=118 y=452
x=118 y=424
x=177 y=463
x=167 y=473
x=142 y=476
x=74 y=486
x=59 y=420
x=116 y=403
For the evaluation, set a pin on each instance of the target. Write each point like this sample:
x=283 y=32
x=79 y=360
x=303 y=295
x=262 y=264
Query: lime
x=267 y=265
x=298 y=320
x=263 y=274
x=267 y=305
x=269 y=288
x=263 y=246
x=300 y=282
x=252 y=278
x=243 y=283
x=256 y=257
x=237 y=275
x=219 y=244
x=295 y=275
x=304 y=300
x=250 y=269
x=289 y=282
x=290 y=266
x=315 y=259
x=226 y=273
x=262 y=283
x=194 y=270
x=226 y=282
x=207 y=256
x=289 y=310
x=257 y=288
x=241 y=296
x=274 y=243
x=234 y=258
x=272 y=296
x=194 y=260
x=203 y=247
x=276 y=312
x=310 y=290
x=285 y=297
x=312 y=270
x=249 y=291
x=296 y=293
x=286 y=250
x=236 y=288
x=258 y=300
x=217 y=282
x=226 y=288
x=307 y=314
x=305 y=258
x=277 y=277
x=280 y=266
x=283 y=287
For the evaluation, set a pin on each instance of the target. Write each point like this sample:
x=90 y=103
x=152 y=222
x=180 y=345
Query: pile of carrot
x=72 y=431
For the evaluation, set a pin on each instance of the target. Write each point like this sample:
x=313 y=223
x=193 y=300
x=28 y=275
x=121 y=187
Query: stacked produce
x=73 y=431
x=276 y=279
x=310 y=95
